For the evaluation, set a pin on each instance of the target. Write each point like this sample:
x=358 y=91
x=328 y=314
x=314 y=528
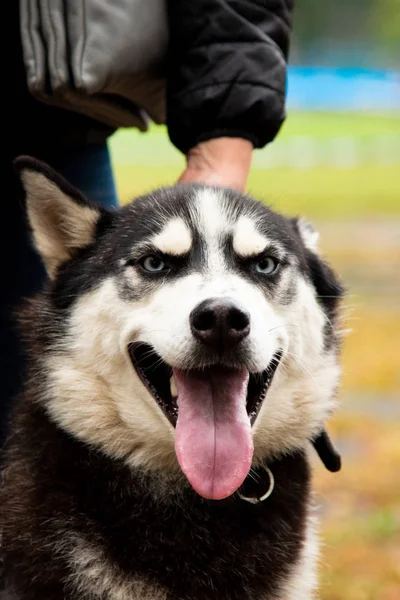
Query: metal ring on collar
x=254 y=500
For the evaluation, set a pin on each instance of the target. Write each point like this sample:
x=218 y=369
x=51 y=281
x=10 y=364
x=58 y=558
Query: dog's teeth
x=174 y=393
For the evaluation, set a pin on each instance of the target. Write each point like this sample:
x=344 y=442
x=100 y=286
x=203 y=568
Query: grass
x=357 y=207
x=145 y=161
x=326 y=124
x=325 y=192
x=329 y=193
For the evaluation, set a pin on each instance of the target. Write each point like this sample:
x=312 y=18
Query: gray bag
x=102 y=58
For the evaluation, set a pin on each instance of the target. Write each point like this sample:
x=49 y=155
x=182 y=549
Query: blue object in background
x=343 y=89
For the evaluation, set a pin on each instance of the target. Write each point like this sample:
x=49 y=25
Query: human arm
x=226 y=72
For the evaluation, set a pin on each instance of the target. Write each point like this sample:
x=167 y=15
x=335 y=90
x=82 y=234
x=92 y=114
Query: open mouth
x=157 y=376
x=212 y=410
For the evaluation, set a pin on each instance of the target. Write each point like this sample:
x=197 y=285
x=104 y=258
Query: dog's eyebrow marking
x=247 y=240
x=174 y=239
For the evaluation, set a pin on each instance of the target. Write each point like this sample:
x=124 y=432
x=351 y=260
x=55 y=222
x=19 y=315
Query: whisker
x=254 y=476
x=278 y=326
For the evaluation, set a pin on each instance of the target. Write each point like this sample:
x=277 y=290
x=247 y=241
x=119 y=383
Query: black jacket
x=226 y=69
x=226 y=74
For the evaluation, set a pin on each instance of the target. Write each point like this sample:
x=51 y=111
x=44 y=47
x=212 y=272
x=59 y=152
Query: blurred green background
x=337 y=162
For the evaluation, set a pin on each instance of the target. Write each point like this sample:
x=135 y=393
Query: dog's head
x=193 y=326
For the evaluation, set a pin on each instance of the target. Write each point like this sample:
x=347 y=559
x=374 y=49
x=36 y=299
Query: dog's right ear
x=62 y=220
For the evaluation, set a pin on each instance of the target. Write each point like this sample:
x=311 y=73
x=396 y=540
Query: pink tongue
x=213 y=439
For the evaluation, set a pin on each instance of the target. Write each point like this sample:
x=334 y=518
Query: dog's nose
x=218 y=322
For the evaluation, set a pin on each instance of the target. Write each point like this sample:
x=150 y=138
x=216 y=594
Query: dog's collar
x=257 y=488
x=259 y=482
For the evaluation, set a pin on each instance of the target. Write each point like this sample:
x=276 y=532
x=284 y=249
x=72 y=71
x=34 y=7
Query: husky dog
x=183 y=360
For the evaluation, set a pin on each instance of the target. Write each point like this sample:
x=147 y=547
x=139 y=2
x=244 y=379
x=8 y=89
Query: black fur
x=56 y=486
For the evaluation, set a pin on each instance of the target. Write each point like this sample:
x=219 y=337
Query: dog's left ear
x=328 y=287
x=308 y=234
x=62 y=220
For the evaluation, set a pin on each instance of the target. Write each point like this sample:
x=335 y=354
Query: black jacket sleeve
x=226 y=69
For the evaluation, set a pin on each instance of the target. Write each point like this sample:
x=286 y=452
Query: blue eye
x=153 y=264
x=267 y=265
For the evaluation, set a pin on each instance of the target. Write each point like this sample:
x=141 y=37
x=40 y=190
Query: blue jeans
x=89 y=169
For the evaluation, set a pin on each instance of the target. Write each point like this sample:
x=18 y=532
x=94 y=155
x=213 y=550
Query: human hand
x=223 y=162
